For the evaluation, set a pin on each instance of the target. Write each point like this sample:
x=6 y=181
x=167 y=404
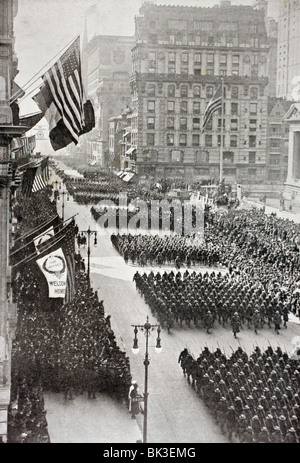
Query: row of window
x=209 y=40
x=198 y=58
x=183 y=125
x=183 y=108
x=183 y=139
x=235 y=91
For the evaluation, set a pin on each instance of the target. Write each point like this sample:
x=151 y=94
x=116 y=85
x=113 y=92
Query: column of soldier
x=67 y=348
x=95 y=188
x=253 y=398
x=202 y=301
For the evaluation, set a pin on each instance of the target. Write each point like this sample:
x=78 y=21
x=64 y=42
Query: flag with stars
x=61 y=99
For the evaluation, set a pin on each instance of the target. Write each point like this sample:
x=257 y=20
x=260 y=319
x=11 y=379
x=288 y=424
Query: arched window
x=197 y=92
x=253 y=93
x=184 y=91
x=171 y=90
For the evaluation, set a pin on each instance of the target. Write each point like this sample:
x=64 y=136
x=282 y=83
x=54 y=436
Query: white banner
x=54 y=267
x=46 y=235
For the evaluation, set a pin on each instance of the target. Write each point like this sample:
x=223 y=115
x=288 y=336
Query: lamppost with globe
x=146 y=329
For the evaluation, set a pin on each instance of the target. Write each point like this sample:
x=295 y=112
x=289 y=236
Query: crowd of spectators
x=253 y=398
x=62 y=347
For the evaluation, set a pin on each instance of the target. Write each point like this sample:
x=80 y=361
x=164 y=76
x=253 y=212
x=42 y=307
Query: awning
x=128 y=177
x=126 y=134
x=120 y=173
x=93 y=162
x=131 y=150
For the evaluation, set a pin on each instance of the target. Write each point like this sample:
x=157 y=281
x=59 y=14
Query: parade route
x=175 y=413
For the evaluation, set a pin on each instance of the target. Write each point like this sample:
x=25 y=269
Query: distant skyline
x=43 y=28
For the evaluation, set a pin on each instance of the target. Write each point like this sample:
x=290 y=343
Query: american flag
x=214 y=104
x=65 y=86
x=42 y=176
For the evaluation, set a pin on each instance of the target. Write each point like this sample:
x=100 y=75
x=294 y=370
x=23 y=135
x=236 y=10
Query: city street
x=175 y=412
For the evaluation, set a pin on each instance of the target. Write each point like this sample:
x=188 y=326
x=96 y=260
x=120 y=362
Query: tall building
x=8 y=131
x=277 y=141
x=179 y=57
x=272 y=31
x=288 y=50
x=106 y=69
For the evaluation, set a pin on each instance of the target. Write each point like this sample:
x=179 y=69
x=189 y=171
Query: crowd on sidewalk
x=63 y=347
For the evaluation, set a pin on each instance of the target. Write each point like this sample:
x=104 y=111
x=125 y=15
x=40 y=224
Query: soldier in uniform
x=208 y=321
x=182 y=356
x=277 y=321
x=256 y=320
x=235 y=323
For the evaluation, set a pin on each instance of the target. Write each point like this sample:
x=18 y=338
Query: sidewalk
x=272 y=206
x=83 y=420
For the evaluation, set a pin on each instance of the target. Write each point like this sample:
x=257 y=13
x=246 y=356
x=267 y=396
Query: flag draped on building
x=61 y=100
x=23 y=146
x=214 y=105
x=28 y=180
x=53 y=249
x=42 y=176
x=35 y=177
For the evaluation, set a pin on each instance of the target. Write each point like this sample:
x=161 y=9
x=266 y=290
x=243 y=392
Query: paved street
x=176 y=414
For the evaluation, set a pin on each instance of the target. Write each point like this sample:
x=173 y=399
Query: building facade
x=8 y=131
x=277 y=142
x=288 y=73
x=272 y=31
x=179 y=57
x=106 y=69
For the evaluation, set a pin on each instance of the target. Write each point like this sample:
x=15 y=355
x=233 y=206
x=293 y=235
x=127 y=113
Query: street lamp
x=146 y=329
x=89 y=232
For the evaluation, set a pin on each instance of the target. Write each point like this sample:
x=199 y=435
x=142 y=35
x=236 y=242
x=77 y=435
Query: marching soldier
x=277 y=321
x=235 y=323
x=208 y=321
x=256 y=320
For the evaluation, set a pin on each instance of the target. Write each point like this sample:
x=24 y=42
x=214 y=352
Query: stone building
x=272 y=31
x=292 y=185
x=8 y=131
x=277 y=142
x=179 y=57
x=288 y=73
x=106 y=68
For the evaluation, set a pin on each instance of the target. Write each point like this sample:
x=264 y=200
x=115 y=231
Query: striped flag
x=28 y=179
x=214 y=104
x=31 y=143
x=62 y=102
x=42 y=176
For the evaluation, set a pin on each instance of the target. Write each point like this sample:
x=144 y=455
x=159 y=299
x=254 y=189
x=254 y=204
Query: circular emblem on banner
x=40 y=134
x=54 y=265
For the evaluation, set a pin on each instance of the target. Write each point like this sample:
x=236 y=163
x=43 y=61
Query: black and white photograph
x=149 y=224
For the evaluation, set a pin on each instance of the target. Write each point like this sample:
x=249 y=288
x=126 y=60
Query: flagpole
x=16 y=95
x=222 y=131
